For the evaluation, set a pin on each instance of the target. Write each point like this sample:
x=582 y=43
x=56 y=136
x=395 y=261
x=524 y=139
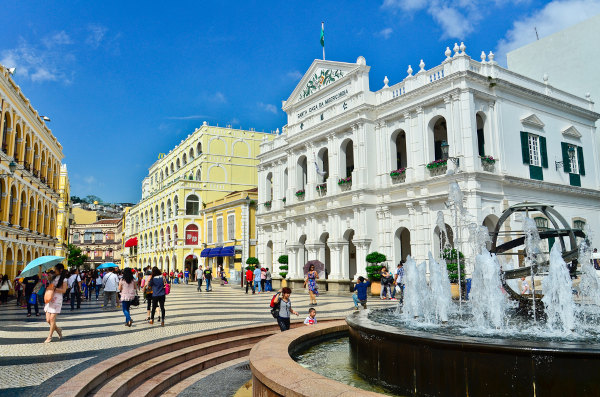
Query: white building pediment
x=533 y=121
x=321 y=75
x=572 y=132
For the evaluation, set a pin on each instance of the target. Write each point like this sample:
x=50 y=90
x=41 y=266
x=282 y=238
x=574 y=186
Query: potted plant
x=374 y=270
x=322 y=188
x=283 y=269
x=343 y=181
x=397 y=173
x=268 y=204
x=453 y=257
x=252 y=263
x=300 y=193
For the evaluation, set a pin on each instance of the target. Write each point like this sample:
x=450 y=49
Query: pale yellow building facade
x=34 y=187
x=166 y=226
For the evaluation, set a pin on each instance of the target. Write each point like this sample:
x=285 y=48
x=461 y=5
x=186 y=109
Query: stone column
x=362 y=249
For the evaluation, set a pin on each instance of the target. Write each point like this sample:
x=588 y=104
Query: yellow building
x=230 y=232
x=166 y=225
x=65 y=218
x=32 y=185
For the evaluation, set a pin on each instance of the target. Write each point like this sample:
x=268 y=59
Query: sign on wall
x=191 y=235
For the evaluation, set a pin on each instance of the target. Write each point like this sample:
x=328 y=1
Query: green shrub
x=283 y=259
x=374 y=269
x=451 y=256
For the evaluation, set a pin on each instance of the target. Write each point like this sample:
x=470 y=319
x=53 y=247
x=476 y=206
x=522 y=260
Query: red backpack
x=273 y=304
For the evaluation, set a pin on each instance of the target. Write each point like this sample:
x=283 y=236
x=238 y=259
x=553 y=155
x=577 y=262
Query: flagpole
x=323 y=30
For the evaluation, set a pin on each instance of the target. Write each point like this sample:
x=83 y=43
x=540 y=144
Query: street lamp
x=12 y=166
x=445 y=149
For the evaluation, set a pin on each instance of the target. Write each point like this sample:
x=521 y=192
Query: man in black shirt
x=208 y=278
x=30 y=283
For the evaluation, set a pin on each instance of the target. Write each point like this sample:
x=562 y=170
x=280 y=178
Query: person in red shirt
x=250 y=280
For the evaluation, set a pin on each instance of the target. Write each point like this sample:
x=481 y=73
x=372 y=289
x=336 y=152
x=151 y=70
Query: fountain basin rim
x=360 y=321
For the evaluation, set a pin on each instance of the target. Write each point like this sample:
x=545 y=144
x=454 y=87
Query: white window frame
x=533 y=144
x=209 y=231
x=220 y=229
x=231 y=227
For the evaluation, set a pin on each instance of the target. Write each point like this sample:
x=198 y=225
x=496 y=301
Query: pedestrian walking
x=18 y=286
x=399 y=281
x=30 y=284
x=128 y=289
x=257 y=280
x=198 y=273
x=5 y=286
x=311 y=282
x=249 y=280
x=386 y=284
x=208 y=278
x=147 y=291
x=285 y=308
x=157 y=282
x=263 y=278
x=186 y=275
x=53 y=299
x=311 y=319
x=110 y=282
x=98 y=282
x=74 y=284
x=268 y=281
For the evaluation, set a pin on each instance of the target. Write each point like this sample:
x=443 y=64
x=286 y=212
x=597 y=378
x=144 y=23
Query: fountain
x=500 y=342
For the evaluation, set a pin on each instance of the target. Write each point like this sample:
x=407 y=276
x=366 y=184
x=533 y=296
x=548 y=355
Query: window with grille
x=76 y=237
x=209 y=232
x=541 y=223
x=572 y=150
x=192 y=205
x=579 y=224
x=534 y=150
x=231 y=227
x=220 y=230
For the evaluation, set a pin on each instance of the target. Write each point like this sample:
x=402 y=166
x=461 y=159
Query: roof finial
x=482 y=56
x=409 y=70
x=385 y=82
x=422 y=66
x=463 y=47
x=447 y=52
x=456 y=49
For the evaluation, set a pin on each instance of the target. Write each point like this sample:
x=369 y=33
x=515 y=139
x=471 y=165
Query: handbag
x=33 y=299
x=48 y=295
x=136 y=300
x=167 y=289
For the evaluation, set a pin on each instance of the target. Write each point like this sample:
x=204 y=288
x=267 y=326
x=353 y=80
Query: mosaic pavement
x=28 y=367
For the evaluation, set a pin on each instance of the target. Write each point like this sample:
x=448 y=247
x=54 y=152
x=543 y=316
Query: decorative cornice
x=572 y=132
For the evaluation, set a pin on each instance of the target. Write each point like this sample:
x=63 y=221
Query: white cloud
x=456 y=18
x=555 y=16
x=57 y=39
x=96 y=35
x=453 y=23
x=235 y=121
x=89 y=180
x=294 y=75
x=218 y=97
x=385 y=33
x=267 y=107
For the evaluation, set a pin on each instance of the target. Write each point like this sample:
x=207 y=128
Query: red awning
x=132 y=242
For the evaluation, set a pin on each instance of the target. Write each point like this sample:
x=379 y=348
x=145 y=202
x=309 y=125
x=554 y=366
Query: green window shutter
x=574 y=180
x=543 y=152
x=536 y=173
x=580 y=159
x=565 y=154
x=525 y=146
x=481 y=142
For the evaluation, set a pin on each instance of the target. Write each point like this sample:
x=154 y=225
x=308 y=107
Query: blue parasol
x=45 y=262
x=106 y=265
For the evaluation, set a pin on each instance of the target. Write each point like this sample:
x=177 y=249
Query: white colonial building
x=351 y=202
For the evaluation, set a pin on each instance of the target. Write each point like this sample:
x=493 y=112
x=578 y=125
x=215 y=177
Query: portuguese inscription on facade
x=321 y=104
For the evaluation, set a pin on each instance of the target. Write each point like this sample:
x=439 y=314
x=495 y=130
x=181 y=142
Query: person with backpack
x=159 y=285
x=30 y=283
x=110 y=281
x=128 y=288
x=283 y=308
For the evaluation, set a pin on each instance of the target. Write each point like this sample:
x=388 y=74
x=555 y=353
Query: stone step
x=179 y=387
x=123 y=383
x=171 y=376
x=92 y=377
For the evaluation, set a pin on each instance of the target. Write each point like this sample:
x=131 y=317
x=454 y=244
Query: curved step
x=122 y=384
x=171 y=376
x=134 y=371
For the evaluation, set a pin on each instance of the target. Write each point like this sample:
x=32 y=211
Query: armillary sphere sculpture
x=513 y=243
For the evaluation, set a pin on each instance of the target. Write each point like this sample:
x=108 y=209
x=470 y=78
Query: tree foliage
x=76 y=257
x=283 y=259
x=374 y=269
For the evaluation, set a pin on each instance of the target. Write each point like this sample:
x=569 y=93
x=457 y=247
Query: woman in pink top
x=128 y=288
x=53 y=297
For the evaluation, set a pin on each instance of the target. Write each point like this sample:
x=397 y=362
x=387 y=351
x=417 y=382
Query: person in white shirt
x=74 y=283
x=110 y=281
x=199 y=273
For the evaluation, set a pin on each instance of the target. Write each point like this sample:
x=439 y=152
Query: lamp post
x=12 y=166
x=445 y=151
x=245 y=251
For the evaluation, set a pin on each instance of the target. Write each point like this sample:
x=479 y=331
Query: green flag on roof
x=323 y=34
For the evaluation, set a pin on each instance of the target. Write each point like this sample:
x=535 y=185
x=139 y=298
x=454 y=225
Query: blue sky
x=124 y=81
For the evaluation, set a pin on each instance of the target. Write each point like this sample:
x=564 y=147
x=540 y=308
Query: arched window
x=5 y=133
x=440 y=135
x=198 y=175
x=480 y=135
x=192 y=205
x=176 y=205
x=175 y=237
x=172 y=168
x=191 y=154
x=301 y=173
x=166 y=171
x=269 y=187
x=184 y=159
x=162 y=212
x=398 y=150
x=178 y=163
x=168 y=234
x=169 y=209
x=347 y=158
x=199 y=148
